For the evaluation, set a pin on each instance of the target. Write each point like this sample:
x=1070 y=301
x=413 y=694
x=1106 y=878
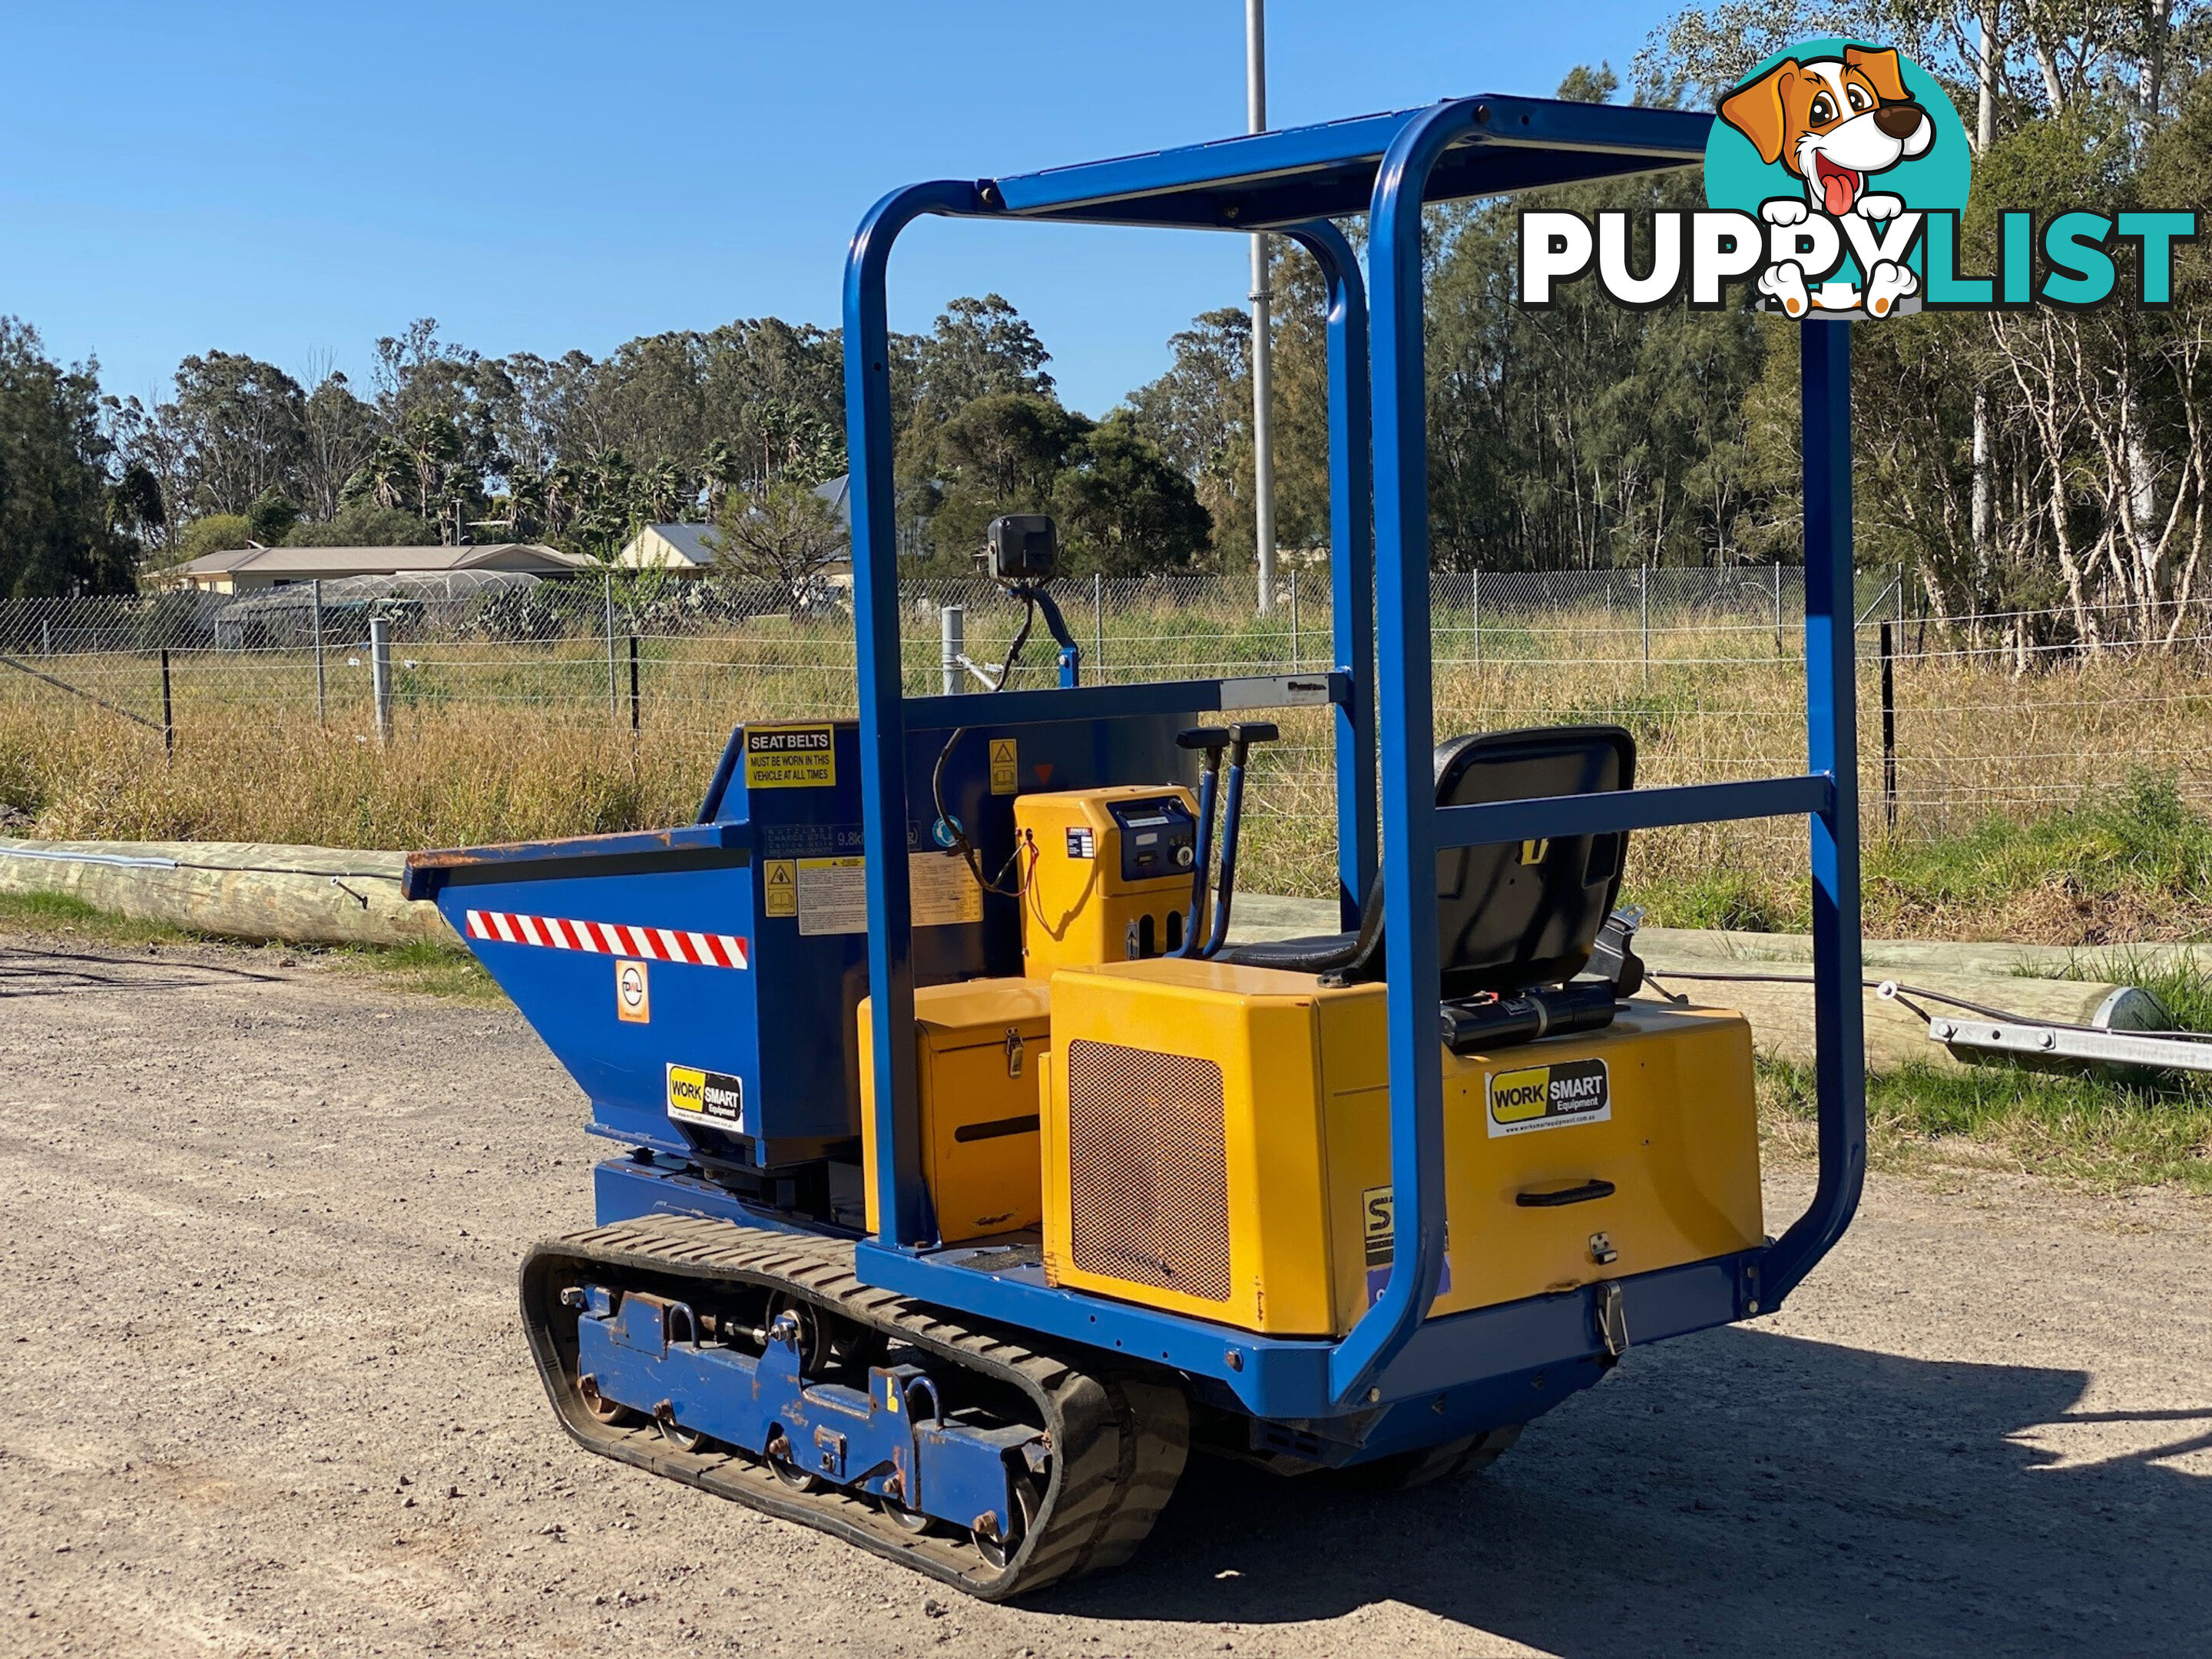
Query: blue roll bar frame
x=1388 y=166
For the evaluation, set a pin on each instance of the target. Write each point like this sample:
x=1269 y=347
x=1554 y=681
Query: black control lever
x=1242 y=734
x=1213 y=739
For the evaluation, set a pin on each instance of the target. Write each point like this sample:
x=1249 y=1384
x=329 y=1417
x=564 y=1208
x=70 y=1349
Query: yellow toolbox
x=1217 y=1143
x=1107 y=874
x=977 y=1047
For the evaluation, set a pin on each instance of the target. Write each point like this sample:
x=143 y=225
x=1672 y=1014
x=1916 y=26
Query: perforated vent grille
x=1148 y=1167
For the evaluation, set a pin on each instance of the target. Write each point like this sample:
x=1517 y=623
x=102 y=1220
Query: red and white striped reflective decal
x=609 y=938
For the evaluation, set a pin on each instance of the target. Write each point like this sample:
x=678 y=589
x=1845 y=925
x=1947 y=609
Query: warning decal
x=1549 y=1096
x=1006 y=767
x=832 y=896
x=780 y=887
x=790 y=757
x=714 y=1100
x=944 y=890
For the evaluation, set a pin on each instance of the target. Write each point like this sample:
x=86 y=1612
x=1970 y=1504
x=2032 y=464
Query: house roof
x=306 y=563
x=691 y=541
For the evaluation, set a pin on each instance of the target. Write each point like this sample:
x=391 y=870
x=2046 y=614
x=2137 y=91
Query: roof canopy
x=1329 y=171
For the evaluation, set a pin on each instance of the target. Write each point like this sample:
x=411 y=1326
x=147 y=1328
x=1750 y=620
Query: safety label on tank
x=790 y=757
x=713 y=1099
x=832 y=896
x=1549 y=1096
x=944 y=889
x=780 y=887
x=1006 y=766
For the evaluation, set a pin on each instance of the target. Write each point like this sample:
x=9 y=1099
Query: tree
x=1002 y=453
x=241 y=426
x=270 y=518
x=362 y=524
x=785 y=535
x=978 y=349
x=338 y=432
x=56 y=492
x=1124 y=510
x=213 y=532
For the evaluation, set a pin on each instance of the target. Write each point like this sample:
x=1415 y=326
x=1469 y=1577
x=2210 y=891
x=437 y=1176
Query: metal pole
x=1474 y=608
x=322 y=705
x=168 y=711
x=1777 y=608
x=1889 y=727
x=1098 y=625
x=380 y=674
x=1263 y=434
x=1643 y=595
x=1294 y=621
x=633 y=686
x=614 y=697
x=952 y=629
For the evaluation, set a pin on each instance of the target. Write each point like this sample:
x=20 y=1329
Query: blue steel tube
x=1831 y=747
x=1406 y=717
x=1351 y=561
x=903 y=1214
x=1202 y=871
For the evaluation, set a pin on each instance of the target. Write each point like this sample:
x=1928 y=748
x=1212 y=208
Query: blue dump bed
x=701 y=983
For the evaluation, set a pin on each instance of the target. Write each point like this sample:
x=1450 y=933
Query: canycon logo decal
x=1837 y=175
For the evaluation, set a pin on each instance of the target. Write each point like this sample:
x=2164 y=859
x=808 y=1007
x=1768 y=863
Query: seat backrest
x=1513 y=916
x=1528 y=912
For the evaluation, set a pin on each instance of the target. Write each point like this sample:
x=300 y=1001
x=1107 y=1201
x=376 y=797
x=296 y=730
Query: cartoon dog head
x=1831 y=121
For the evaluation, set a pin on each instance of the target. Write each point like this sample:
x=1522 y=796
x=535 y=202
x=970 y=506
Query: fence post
x=1777 y=609
x=614 y=695
x=168 y=711
x=1098 y=622
x=1294 y=619
x=380 y=674
x=1643 y=598
x=951 y=628
x=1889 y=726
x=1474 y=609
x=633 y=686
x=322 y=713
x=45 y=636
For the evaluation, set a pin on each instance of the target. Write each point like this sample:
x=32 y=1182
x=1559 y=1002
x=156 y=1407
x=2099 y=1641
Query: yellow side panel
x=1264 y=1046
x=1678 y=1141
x=979 y=1103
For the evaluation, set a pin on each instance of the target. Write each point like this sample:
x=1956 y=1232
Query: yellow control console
x=1216 y=1143
x=1106 y=874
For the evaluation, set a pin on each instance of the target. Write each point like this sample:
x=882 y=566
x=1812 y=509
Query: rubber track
x=1119 y=1437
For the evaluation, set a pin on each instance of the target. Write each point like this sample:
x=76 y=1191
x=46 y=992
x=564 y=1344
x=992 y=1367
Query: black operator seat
x=1508 y=917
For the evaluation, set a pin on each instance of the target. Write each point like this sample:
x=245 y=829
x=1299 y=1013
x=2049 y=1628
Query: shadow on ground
x=1740 y=1492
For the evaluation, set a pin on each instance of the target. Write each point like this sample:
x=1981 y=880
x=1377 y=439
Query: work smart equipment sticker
x=1549 y=1096
x=712 y=1100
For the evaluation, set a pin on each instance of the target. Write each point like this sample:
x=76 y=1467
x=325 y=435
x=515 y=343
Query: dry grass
x=508 y=741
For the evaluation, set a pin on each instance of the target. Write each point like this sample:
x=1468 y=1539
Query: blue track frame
x=1387 y=166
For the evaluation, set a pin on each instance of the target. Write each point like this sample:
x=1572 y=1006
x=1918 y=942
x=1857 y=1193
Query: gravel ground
x=267 y=1396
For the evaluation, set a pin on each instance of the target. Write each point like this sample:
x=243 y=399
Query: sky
x=294 y=180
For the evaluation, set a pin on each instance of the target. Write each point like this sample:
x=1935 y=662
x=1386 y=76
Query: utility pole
x=1985 y=133
x=1263 y=432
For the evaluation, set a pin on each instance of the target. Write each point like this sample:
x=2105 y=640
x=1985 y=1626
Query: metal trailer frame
x=1293 y=182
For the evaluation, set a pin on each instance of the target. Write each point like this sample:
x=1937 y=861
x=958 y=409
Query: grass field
x=2063 y=805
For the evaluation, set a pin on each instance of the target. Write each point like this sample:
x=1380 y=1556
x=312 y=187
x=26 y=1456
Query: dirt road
x=266 y=1395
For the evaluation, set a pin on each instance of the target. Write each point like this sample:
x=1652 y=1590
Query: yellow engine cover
x=977 y=1046
x=1217 y=1143
x=1106 y=874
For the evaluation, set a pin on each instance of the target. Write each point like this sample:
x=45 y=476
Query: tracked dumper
x=966 y=1178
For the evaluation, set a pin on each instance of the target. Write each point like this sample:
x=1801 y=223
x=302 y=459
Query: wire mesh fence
x=512 y=707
